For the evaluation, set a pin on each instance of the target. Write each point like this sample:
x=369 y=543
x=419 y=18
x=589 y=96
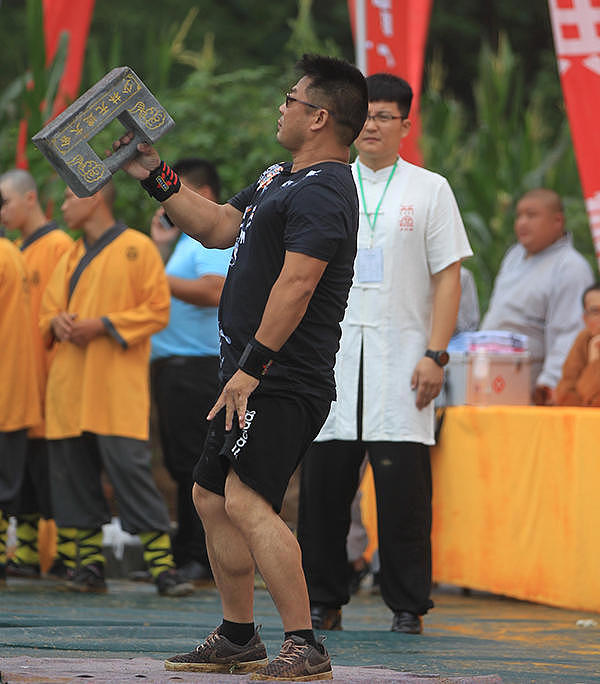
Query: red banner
x=396 y=35
x=74 y=17
x=59 y=16
x=576 y=28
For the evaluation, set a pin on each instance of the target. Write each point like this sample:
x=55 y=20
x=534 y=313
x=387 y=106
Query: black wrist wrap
x=256 y=359
x=162 y=182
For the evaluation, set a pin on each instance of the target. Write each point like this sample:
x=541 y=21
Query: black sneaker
x=406 y=622
x=169 y=583
x=324 y=618
x=140 y=576
x=88 y=579
x=218 y=654
x=60 y=572
x=23 y=570
x=297 y=661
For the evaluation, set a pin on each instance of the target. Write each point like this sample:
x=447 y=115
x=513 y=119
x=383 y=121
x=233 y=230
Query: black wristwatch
x=440 y=357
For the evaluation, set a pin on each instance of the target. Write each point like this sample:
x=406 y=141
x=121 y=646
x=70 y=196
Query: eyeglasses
x=383 y=117
x=289 y=98
x=595 y=311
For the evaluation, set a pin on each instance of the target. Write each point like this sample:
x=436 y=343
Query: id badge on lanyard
x=369 y=265
x=369 y=261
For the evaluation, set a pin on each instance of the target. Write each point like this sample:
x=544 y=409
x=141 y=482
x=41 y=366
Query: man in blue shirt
x=185 y=360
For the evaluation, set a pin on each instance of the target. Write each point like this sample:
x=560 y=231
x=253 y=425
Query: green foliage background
x=493 y=116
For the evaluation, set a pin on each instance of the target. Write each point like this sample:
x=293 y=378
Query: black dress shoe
x=23 y=570
x=407 y=622
x=195 y=572
x=323 y=617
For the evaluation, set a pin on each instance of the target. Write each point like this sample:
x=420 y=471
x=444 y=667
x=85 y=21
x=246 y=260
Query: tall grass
x=516 y=139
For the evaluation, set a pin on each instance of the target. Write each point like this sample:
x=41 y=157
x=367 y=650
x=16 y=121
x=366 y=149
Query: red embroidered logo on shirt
x=407 y=217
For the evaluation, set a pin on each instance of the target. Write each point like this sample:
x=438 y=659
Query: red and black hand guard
x=162 y=182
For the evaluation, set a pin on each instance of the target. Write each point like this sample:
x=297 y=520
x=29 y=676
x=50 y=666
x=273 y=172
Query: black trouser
x=13 y=459
x=35 y=490
x=185 y=389
x=402 y=475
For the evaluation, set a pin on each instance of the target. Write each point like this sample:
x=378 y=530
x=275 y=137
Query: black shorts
x=279 y=429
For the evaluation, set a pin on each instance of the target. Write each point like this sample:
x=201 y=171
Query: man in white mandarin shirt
x=401 y=314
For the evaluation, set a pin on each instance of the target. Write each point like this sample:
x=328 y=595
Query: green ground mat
x=465 y=637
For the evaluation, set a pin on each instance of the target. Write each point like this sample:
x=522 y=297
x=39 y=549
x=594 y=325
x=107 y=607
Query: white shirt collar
x=379 y=175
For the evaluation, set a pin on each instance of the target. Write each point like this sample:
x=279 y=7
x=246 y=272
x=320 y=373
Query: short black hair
x=343 y=90
x=591 y=288
x=199 y=172
x=389 y=88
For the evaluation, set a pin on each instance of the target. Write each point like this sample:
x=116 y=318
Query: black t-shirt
x=313 y=211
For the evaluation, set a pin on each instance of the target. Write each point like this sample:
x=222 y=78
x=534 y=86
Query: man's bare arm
x=214 y=225
x=446 y=300
x=428 y=377
x=289 y=299
x=284 y=310
x=204 y=291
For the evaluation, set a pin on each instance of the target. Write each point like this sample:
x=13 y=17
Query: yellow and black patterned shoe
x=297 y=661
x=218 y=654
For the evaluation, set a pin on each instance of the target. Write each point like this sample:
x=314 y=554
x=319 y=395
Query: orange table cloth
x=516 y=503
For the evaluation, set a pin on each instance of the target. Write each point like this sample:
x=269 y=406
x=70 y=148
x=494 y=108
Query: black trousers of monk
x=185 y=389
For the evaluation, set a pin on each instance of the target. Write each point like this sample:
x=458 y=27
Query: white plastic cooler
x=485 y=378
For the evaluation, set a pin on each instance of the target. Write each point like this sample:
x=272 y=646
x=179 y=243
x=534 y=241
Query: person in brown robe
x=580 y=382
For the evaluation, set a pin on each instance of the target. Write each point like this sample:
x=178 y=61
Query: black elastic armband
x=162 y=182
x=256 y=359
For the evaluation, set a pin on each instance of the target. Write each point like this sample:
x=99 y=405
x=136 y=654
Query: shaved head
x=20 y=180
x=19 y=203
x=550 y=198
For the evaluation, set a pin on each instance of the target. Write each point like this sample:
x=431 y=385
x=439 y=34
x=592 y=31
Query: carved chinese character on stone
x=65 y=141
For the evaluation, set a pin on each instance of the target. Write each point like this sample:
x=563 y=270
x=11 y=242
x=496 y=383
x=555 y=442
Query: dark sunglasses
x=290 y=98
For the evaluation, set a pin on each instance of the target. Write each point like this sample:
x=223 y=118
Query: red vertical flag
x=74 y=17
x=576 y=28
x=59 y=16
x=396 y=35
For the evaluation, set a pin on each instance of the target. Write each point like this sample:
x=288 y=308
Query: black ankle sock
x=238 y=633
x=306 y=634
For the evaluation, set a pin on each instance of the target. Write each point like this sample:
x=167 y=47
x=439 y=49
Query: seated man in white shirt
x=538 y=289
